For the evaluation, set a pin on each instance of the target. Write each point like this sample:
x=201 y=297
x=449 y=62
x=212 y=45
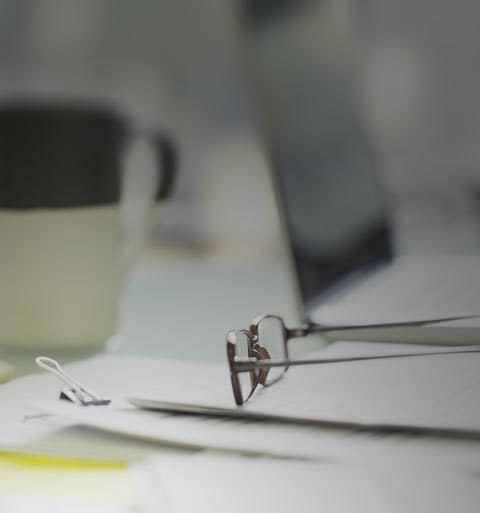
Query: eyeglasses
x=259 y=355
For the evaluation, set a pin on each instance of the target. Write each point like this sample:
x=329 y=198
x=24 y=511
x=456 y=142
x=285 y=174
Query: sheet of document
x=438 y=392
x=385 y=481
x=430 y=393
x=366 y=469
x=257 y=485
x=423 y=287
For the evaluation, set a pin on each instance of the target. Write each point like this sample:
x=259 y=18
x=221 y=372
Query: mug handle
x=166 y=156
x=167 y=163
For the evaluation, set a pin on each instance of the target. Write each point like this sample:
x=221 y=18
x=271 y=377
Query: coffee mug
x=62 y=261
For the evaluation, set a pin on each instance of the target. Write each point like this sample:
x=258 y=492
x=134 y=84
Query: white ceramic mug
x=61 y=234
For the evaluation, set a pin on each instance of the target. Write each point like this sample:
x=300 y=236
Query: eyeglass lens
x=271 y=335
x=247 y=381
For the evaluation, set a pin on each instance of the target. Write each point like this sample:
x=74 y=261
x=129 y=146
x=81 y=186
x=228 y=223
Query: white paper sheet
x=384 y=480
x=371 y=471
x=216 y=484
x=435 y=391
x=439 y=392
x=423 y=287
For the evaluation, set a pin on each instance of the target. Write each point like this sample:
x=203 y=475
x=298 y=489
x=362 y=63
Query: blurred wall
x=421 y=85
x=170 y=63
x=175 y=63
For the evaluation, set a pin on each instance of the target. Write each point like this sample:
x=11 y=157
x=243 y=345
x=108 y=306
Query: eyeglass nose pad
x=261 y=353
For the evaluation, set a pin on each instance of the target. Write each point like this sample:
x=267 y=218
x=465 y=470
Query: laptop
x=299 y=59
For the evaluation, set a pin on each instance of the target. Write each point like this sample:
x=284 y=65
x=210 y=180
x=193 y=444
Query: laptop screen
x=300 y=67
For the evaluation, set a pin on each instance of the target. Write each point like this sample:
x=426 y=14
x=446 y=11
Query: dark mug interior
x=60 y=155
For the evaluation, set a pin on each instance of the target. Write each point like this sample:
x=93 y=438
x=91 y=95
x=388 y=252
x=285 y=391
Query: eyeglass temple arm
x=267 y=364
x=325 y=328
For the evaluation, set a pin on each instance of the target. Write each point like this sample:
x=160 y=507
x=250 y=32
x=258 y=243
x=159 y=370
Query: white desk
x=180 y=306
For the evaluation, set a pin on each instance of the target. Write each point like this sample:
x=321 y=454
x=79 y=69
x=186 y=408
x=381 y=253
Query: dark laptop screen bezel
x=317 y=278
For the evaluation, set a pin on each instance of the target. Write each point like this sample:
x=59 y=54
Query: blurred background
x=175 y=63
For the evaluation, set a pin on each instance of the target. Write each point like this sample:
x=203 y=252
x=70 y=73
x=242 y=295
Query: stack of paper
x=433 y=393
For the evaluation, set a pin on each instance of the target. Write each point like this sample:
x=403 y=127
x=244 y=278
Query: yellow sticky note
x=51 y=477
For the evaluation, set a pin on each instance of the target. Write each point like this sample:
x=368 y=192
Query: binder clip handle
x=76 y=392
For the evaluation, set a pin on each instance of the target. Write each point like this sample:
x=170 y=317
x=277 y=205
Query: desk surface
x=180 y=305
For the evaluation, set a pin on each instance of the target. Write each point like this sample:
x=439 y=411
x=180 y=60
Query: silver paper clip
x=76 y=392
